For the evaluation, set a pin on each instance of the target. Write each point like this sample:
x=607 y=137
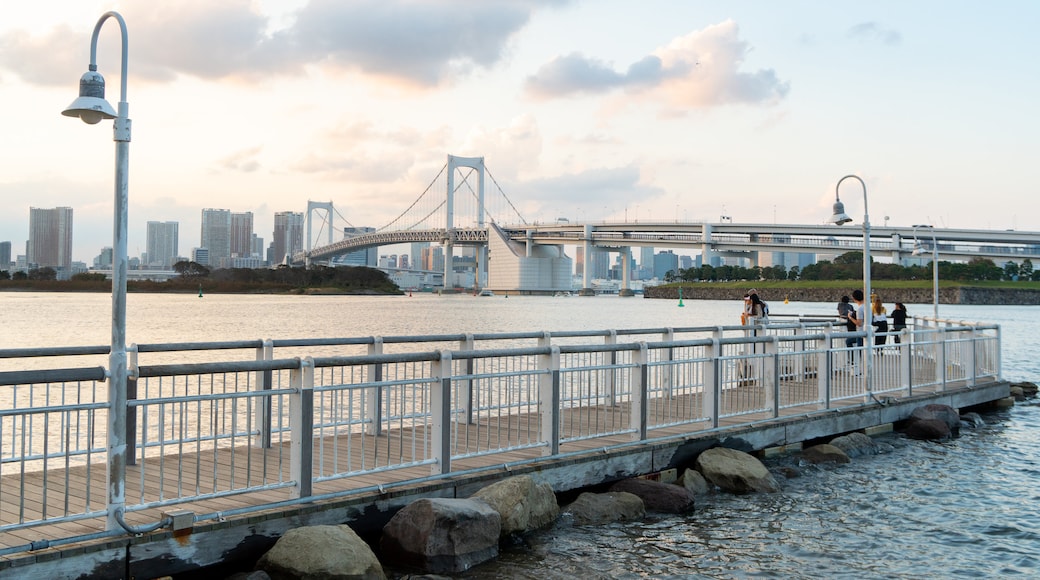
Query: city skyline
x=586 y=110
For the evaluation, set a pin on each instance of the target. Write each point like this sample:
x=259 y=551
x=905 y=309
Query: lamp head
x=91 y=105
x=918 y=249
x=840 y=217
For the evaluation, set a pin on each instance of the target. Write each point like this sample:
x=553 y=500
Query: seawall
x=956 y=295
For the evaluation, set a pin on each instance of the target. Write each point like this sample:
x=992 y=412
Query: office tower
x=162 y=242
x=415 y=255
x=200 y=256
x=646 y=258
x=50 y=239
x=288 y=235
x=432 y=258
x=665 y=262
x=5 y=255
x=366 y=257
x=103 y=261
x=216 y=235
x=258 y=248
x=242 y=234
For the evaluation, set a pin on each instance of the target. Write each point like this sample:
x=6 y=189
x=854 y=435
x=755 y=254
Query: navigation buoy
x=200 y=290
x=680 y=297
x=786 y=301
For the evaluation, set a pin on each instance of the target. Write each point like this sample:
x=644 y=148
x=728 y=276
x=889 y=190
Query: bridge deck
x=46 y=490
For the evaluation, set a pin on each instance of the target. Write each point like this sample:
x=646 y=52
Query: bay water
x=965 y=508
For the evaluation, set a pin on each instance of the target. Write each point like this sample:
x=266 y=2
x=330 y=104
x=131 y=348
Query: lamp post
x=841 y=218
x=919 y=250
x=92 y=107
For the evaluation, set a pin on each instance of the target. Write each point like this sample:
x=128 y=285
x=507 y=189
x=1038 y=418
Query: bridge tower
x=329 y=211
x=454 y=163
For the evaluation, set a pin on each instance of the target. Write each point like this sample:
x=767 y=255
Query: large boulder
x=856 y=444
x=602 y=508
x=824 y=453
x=937 y=412
x=928 y=430
x=312 y=552
x=693 y=481
x=735 y=471
x=442 y=535
x=1028 y=389
x=657 y=496
x=523 y=504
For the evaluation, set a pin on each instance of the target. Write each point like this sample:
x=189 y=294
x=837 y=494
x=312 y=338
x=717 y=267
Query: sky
x=586 y=109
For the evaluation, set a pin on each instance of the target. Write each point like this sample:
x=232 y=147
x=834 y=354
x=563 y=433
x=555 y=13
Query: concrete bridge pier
x=586 y=279
x=626 y=272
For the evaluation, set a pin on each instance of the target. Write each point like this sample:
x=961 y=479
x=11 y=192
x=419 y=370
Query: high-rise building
x=288 y=235
x=366 y=257
x=5 y=255
x=162 y=242
x=416 y=254
x=50 y=239
x=200 y=256
x=242 y=234
x=216 y=235
x=665 y=262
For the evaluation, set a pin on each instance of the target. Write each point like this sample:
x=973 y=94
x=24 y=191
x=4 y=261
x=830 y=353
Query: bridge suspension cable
x=416 y=202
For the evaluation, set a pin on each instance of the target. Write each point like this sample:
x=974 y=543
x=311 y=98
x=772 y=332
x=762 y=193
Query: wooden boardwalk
x=36 y=495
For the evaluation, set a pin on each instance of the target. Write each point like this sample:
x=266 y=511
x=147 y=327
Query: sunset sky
x=591 y=110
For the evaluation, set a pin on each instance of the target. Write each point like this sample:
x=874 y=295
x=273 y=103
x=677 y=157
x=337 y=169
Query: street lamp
x=920 y=250
x=841 y=218
x=92 y=107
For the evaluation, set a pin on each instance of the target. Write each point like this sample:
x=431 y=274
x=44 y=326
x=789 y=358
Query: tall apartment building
x=242 y=234
x=288 y=235
x=5 y=255
x=50 y=239
x=162 y=243
x=216 y=235
x=366 y=257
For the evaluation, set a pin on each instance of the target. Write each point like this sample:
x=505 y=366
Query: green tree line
x=849 y=266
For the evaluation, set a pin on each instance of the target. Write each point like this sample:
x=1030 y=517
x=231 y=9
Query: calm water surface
x=968 y=508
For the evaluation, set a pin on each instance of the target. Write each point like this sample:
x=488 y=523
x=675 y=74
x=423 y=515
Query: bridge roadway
x=728 y=239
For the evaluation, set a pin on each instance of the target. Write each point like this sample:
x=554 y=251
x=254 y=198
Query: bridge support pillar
x=626 y=272
x=586 y=267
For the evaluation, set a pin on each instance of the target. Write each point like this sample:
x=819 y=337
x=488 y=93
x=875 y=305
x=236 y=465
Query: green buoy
x=680 y=297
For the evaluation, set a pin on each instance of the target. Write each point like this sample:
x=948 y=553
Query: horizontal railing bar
x=71 y=375
x=206 y=397
x=179 y=346
x=217 y=367
x=53 y=351
x=53 y=409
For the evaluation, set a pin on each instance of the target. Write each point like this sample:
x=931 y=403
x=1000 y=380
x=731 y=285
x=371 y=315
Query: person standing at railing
x=899 y=319
x=879 y=319
x=845 y=309
x=858 y=316
x=759 y=313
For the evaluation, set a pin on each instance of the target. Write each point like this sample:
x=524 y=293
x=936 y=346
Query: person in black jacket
x=898 y=319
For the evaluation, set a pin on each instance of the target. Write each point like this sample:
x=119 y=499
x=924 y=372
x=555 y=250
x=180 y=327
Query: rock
x=321 y=552
x=1028 y=388
x=735 y=471
x=1017 y=393
x=522 y=504
x=928 y=430
x=856 y=444
x=657 y=496
x=791 y=472
x=944 y=413
x=442 y=535
x=824 y=453
x=694 y=481
x=973 y=420
x=254 y=575
x=602 y=508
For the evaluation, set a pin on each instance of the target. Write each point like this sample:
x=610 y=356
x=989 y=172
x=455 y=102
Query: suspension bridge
x=455 y=209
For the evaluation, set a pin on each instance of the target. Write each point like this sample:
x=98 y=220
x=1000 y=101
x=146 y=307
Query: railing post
x=973 y=370
x=797 y=366
x=262 y=408
x=374 y=401
x=906 y=362
x=770 y=374
x=940 y=359
x=549 y=399
x=640 y=392
x=825 y=368
x=131 y=412
x=712 y=387
x=301 y=426
x=611 y=376
x=667 y=372
x=466 y=385
x=440 y=414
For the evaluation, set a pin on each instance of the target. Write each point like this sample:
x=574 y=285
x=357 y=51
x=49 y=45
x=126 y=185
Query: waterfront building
x=665 y=262
x=162 y=242
x=216 y=235
x=242 y=234
x=200 y=256
x=103 y=261
x=432 y=258
x=367 y=257
x=5 y=255
x=50 y=239
x=288 y=235
x=416 y=254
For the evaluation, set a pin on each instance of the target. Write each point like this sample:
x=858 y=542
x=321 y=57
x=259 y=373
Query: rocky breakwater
x=775 y=296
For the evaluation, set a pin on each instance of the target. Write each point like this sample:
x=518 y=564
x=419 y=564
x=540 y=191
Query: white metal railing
x=204 y=430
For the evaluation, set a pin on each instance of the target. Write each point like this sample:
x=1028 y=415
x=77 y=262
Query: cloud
x=418 y=42
x=700 y=69
x=874 y=31
x=244 y=161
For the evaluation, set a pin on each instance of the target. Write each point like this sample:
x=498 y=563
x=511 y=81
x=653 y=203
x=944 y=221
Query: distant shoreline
x=947 y=295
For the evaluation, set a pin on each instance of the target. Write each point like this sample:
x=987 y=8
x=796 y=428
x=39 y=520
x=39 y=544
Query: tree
x=1010 y=270
x=1025 y=270
x=5 y=275
x=190 y=269
x=793 y=273
x=45 y=273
